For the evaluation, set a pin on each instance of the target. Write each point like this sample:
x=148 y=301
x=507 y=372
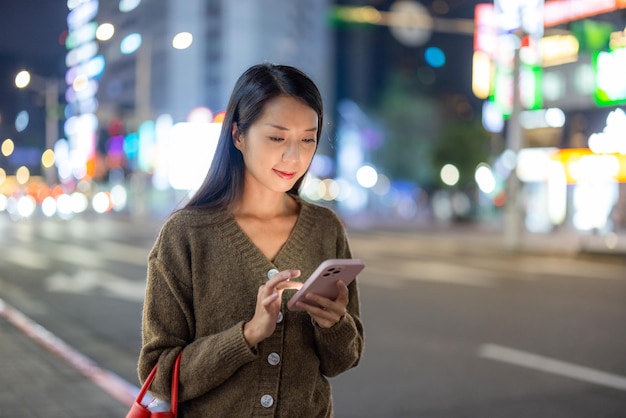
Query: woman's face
x=279 y=146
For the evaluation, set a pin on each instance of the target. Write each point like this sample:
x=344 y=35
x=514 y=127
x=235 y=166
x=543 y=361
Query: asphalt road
x=454 y=327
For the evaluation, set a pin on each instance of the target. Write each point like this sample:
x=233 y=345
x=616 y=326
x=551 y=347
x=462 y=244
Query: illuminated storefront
x=574 y=174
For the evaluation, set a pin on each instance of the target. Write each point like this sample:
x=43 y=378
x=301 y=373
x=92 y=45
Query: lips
x=286 y=175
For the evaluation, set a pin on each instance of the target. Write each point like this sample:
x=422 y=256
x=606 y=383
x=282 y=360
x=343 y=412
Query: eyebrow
x=282 y=128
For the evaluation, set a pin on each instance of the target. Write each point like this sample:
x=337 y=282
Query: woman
x=224 y=266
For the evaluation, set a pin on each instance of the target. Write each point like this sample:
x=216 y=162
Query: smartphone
x=323 y=280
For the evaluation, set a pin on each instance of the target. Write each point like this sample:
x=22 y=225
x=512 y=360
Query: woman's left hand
x=331 y=311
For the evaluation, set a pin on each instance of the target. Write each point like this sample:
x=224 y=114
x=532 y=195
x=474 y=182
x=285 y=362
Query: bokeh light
x=450 y=175
x=367 y=176
x=26 y=206
x=182 y=40
x=22 y=120
x=22 y=175
x=435 y=57
x=130 y=43
x=485 y=179
x=105 y=32
x=47 y=158
x=126 y=6
x=8 y=146
x=22 y=79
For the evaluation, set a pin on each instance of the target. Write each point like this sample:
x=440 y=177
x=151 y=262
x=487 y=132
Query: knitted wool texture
x=203 y=277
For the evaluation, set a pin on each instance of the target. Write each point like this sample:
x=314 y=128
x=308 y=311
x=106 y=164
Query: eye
x=276 y=139
x=309 y=140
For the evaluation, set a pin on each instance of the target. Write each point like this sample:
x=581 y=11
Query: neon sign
x=561 y=11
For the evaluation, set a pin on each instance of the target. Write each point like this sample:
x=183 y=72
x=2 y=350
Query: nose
x=292 y=151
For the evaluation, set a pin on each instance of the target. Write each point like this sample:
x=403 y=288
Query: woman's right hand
x=268 y=302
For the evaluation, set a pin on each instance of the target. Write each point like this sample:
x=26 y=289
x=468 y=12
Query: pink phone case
x=323 y=280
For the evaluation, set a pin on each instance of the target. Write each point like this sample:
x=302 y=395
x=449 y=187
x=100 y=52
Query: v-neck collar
x=294 y=244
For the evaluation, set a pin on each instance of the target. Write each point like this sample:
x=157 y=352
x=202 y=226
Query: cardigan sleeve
x=168 y=326
x=341 y=346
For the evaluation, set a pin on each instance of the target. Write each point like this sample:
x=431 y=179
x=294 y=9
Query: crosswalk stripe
x=553 y=366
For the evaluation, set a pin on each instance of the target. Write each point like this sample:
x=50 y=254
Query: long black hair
x=223 y=184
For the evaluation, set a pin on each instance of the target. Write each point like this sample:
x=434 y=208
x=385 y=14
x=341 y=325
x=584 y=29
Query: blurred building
x=227 y=37
x=571 y=153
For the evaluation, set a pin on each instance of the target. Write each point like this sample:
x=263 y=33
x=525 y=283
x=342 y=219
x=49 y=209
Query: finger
x=344 y=294
x=331 y=312
x=337 y=307
x=324 y=320
x=288 y=285
x=282 y=276
x=268 y=300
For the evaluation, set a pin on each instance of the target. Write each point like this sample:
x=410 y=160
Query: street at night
x=455 y=325
x=472 y=151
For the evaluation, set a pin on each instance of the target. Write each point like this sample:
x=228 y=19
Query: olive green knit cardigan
x=203 y=276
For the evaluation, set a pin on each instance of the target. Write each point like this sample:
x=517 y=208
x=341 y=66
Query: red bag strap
x=174 y=395
x=174 y=387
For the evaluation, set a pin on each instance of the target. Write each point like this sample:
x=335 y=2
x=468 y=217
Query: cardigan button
x=273 y=359
x=267 y=401
x=271 y=272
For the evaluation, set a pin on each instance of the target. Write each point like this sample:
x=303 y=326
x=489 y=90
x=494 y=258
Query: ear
x=236 y=134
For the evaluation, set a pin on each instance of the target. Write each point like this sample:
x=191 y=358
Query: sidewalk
x=36 y=382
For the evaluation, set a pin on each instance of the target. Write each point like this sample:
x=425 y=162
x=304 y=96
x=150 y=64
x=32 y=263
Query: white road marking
x=76 y=255
x=26 y=258
x=548 y=365
x=89 y=282
x=126 y=253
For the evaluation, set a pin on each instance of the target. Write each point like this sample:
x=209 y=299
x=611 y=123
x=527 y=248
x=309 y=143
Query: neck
x=265 y=205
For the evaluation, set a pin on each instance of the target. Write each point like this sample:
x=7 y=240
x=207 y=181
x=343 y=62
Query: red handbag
x=139 y=410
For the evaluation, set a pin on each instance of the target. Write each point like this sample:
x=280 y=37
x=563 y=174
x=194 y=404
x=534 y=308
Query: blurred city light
x=130 y=43
x=126 y=6
x=492 y=117
x=81 y=35
x=450 y=175
x=21 y=120
x=22 y=79
x=26 y=206
x=543 y=118
x=79 y=202
x=367 y=176
x=81 y=54
x=611 y=139
x=190 y=149
x=119 y=197
x=49 y=206
x=182 y=40
x=410 y=22
x=64 y=206
x=435 y=57
x=173 y=153
x=47 y=158
x=22 y=175
x=382 y=186
x=4 y=202
x=331 y=189
x=101 y=202
x=485 y=179
x=8 y=146
x=105 y=32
